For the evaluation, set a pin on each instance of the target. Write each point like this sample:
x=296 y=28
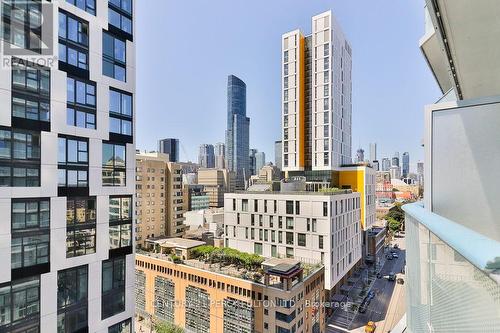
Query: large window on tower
x=113 y=164
x=72 y=299
x=19 y=158
x=81 y=220
x=30 y=229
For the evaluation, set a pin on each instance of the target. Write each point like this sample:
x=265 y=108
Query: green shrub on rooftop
x=228 y=256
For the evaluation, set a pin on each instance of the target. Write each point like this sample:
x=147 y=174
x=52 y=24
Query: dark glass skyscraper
x=237 y=132
x=170 y=147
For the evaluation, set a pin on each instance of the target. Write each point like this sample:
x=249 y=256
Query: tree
x=167 y=328
x=394 y=225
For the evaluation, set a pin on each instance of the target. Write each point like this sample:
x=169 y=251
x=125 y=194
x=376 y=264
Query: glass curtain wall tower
x=237 y=132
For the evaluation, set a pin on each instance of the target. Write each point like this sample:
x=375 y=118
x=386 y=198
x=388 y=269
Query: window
x=81 y=103
x=289 y=238
x=301 y=239
x=72 y=299
x=30 y=220
x=19 y=158
x=244 y=205
x=164 y=294
x=325 y=104
x=20 y=24
x=274 y=251
x=120 y=112
x=289 y=207
x=113 y=164
x=30 y=91
x=20 y=305
x=73 y=162
x=289 y=252
x=285 y=56
x=120 y=221
x=113 y=287
x=320 y=241
x=114 y=57
x=297 y=207
x=325 y=208
x=80 y=226
x=289 y=223
x=197 y=309
x=257 y=248
x=122 y=327
x=73 y=40
x=120 y=14
x=86 y=5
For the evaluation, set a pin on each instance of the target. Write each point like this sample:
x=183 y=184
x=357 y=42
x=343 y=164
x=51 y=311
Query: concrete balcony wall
x=462 y=147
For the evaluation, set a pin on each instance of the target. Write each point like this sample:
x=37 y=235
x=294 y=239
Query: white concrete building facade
x=315 y=227
x=67 y=167
x=316 y=97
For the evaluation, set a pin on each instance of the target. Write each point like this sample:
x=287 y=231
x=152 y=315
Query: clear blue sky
x=186 y=49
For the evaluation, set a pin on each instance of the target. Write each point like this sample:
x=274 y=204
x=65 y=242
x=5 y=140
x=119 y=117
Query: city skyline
x=207 y=120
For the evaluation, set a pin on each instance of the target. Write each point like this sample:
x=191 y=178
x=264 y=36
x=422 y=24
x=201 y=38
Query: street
x=385 y=309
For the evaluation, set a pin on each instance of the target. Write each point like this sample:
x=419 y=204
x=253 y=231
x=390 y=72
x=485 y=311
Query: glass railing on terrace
x=453 y=276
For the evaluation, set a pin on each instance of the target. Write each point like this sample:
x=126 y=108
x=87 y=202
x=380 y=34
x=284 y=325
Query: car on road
x=395 y=256
x=392 y=276
x=379 y=275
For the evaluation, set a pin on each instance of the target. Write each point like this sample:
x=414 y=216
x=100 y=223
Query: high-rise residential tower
x=260 y=161
x=251 y=159
x=405 y=164
x=278 y=151
x=67 y=166
x=206 y=157
x=220 y=155
x=316 y=97
x=373 y=151
x=171 y=147
x=238 y=130
x=386 y=164
x=395 y=159
x=360 y=155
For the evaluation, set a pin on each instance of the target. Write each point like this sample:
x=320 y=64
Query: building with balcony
x=159 y=197
x=453 y=237
x=67 y=168
x=215 y=295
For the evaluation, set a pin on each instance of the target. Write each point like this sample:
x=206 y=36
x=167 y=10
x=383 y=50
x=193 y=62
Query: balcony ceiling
x=472 y=30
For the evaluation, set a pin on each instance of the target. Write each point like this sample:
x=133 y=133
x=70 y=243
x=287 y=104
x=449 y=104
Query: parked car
x=379 y=275
x=362 y=308
x=396 y=246
x=389 y=257
x=371 y=294
x=401 y=281
x=392 y=276
x=395 y=256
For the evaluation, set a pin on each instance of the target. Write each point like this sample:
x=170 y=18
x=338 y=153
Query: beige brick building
x=159 y=199
x=216 y=182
